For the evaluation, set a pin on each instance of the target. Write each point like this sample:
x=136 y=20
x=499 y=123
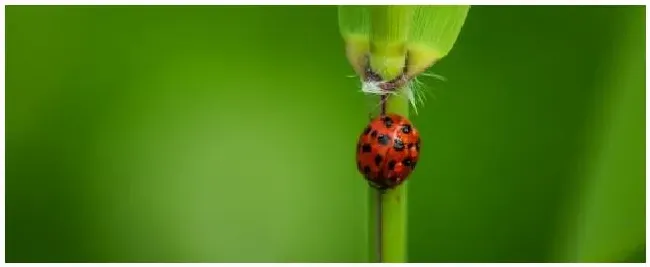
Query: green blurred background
x=227 y=134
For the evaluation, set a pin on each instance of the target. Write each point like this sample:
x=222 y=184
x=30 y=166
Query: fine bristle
x=415 y=90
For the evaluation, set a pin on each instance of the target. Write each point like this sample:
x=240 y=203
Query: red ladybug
x=387 y=151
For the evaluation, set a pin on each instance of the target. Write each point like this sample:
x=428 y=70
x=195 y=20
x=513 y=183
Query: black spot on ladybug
x=378 y=159
x=373 y=134
x=365 y=148
x=391 y=165
x=366 y=169
x=398 y=145
x=383 y=139
x=388 y=122
x=367 y=130
x=406 y=162
x=406 y=128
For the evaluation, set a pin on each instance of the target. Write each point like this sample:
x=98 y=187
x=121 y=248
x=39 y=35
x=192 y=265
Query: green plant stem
x=388 y=210
x=380 y=37
x=389 y=28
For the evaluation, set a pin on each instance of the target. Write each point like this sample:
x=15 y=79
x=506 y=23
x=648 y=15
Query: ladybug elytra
x=388 y=151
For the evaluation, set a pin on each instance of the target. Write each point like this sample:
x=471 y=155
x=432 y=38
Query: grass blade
x=434 y=32
x=354 y=25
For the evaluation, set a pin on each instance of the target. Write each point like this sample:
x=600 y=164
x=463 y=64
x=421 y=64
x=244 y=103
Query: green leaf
x=433 y=34
x=354 y=25
x=354 y=20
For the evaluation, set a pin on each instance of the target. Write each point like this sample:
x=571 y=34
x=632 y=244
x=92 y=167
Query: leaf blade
x=433 y=34
x=354 y=26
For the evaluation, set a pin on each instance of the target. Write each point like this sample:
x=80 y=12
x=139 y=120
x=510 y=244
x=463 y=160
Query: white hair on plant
x=418 y=90
x=435 y=76
x=414 y=90
x=373 y=87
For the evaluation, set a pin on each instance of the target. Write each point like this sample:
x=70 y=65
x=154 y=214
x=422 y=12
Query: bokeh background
x=227 y=134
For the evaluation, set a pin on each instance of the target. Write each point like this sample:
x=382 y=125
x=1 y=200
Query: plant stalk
x=389 y=29
x=388 y=210
x=396 y=43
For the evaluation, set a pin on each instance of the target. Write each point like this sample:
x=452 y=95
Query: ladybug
x=387 y=151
